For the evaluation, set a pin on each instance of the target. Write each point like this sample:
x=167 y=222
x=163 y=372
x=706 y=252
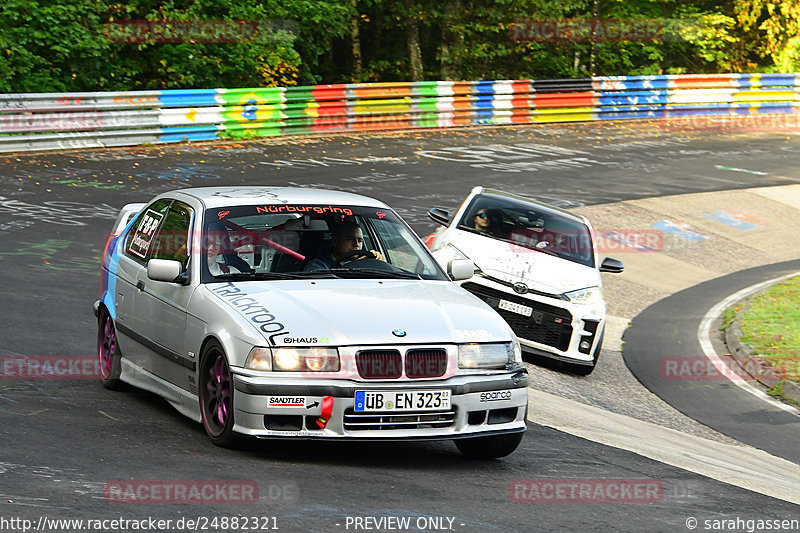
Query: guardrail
x=42 y=121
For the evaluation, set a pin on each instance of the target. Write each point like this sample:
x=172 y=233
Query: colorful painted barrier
x=86 y=120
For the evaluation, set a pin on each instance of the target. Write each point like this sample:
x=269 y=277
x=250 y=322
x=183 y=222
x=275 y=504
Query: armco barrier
x=85 y=120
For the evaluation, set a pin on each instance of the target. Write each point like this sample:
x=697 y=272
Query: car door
x=132 y=264
x=160 y=307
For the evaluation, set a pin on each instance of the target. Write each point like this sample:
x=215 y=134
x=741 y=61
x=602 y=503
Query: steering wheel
x=352 y=254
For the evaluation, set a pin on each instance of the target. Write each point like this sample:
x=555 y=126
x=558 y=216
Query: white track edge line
x=704 y=337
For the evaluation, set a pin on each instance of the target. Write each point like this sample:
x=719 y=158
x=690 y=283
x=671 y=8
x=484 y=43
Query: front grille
x=379 y=364
x=425 y=363
x=548 y=324
x=404 y=421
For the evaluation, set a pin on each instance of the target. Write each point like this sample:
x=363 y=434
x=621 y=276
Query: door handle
x=140 y=285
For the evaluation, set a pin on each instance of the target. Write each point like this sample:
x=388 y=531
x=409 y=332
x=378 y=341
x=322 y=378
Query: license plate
x=516 y=308
x=413 y=400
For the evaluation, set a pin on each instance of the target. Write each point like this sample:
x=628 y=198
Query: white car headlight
x=588 y=295
x=305 y=359
x=496 y=355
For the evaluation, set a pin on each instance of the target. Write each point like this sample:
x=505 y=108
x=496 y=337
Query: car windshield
x=285 y=241
x=529 y=227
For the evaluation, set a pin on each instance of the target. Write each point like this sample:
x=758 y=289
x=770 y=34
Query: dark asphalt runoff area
x=668 y=328
x=65 y=442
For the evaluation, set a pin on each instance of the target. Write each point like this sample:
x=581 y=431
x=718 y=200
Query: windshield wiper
x=373 y=273
x=270 y=275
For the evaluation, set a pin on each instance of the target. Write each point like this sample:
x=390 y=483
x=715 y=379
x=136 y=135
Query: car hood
x=538 y=270
x=358 y=312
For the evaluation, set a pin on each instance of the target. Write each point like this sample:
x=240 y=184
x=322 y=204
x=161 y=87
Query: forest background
x=99 y=45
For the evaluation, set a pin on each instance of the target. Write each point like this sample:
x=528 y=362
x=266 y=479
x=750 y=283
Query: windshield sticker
x=140 y=243
x=223 y=214
x=249 y=307
x=304 y=209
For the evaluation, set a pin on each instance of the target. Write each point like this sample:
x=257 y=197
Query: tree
x=411 y=15
x=777 y=29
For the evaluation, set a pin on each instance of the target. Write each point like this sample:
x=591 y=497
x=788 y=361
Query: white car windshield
x=312 y=241
x=529 y=227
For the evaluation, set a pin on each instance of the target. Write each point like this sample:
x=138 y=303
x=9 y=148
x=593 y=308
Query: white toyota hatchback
x=537 y=266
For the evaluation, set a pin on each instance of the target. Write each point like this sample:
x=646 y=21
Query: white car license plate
x=516 y=308
x=407 y=400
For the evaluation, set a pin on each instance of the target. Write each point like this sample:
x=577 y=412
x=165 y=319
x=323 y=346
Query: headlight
x=305 y=359
x=259 y=359
x=487 y=355
x=585 y=296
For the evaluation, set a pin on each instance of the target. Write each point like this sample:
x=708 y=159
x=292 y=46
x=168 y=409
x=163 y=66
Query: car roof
x=540 y=205
x=213 y=197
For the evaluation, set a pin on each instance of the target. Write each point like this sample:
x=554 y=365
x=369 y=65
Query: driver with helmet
x=347 y=237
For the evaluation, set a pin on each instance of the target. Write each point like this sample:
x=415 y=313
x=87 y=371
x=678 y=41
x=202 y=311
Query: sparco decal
x=495 y=396
x=249 y=307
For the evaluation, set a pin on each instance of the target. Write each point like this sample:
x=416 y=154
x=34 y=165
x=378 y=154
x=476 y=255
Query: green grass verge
x=771 y=327
x=777 y=390
x=729 y=316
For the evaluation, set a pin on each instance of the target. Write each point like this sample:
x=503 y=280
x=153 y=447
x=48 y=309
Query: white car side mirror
x=164 y=270
x=459 y=269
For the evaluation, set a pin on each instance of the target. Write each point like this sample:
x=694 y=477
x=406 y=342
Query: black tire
x=491 y=447
x=108 y=352
x=216 y=395
x=585 y=370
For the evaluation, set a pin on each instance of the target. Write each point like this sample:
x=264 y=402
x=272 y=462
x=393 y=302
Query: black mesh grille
x=426 y=363
x=548 y=324
x=379 y=364
x=404 y=421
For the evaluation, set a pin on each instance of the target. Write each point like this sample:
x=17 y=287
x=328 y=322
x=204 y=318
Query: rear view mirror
x=305 y=223
x=460 y=269
x=164 y=270
x=440 y=216
x=611 y=265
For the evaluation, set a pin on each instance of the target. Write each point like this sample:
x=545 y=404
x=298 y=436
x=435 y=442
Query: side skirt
x=186 y=403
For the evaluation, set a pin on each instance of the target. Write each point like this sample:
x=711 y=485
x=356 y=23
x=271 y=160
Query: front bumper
x=556 y=329
x=479 y=405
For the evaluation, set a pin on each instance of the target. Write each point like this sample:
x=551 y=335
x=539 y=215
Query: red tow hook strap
x=327 y=407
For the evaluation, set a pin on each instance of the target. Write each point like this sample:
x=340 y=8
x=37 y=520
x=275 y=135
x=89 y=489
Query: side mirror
x=611 y=265
x=441 y=216
x=164 y=270
x=459 y=269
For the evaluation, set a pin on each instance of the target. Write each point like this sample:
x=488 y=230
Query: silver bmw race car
x=297 y=313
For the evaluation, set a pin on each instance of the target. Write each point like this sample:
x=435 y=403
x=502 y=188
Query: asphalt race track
x=64 y=442
x=671 y=324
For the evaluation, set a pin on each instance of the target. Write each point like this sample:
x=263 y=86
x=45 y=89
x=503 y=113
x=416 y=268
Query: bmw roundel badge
x=399 y=332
